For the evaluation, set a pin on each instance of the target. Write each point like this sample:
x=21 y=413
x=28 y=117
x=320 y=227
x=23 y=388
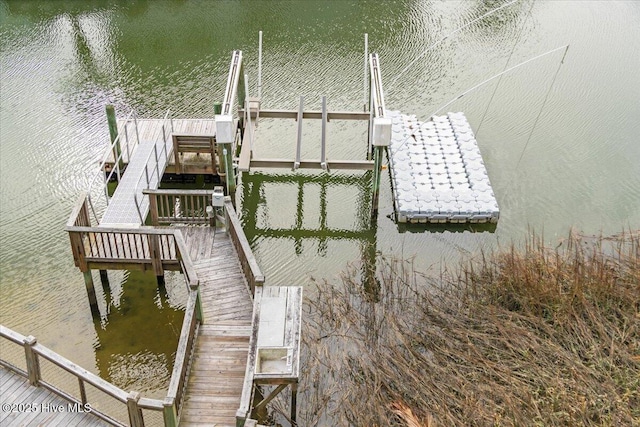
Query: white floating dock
x=437 y=171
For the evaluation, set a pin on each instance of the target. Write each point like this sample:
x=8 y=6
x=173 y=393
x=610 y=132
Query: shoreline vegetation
x=530 y=335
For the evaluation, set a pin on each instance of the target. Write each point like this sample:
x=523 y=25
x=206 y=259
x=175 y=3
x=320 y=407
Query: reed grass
x=523 y=337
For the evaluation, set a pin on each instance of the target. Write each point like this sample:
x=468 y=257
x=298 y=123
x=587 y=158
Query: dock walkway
x=146 y=163
x=27 y=405
x=218 y=367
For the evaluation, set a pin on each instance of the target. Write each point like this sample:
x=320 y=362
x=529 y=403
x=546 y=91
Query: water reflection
x=315 y=219
x=138 y=330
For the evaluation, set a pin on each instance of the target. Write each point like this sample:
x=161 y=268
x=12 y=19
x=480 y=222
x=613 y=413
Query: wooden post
x=153 y=209
x=135 y=413
x=170 y=413
x=176 y=154
x=33 y=364
x=156 y=256
x=104 y=278
x=83 y=391
x=199 y=312
x=91 y=292
x=294 y=401
x=77 y=248
x=113 y=133
x=227 y=220
x=230 y=176
x=377 y=173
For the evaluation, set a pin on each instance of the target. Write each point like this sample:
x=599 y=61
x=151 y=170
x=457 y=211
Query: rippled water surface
x=62 y=61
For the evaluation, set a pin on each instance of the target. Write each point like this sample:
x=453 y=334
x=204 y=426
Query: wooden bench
x=191 y=143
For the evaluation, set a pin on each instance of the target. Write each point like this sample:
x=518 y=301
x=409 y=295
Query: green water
x=62 y=61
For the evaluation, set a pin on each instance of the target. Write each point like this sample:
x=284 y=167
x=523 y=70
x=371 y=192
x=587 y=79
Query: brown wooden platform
x=151 y=130
x=218 y=367
x=36 y=406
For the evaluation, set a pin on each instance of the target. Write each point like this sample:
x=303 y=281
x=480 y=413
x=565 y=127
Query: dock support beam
x=104 y=278
x=113 y=133
x=91 y=292
x=296 y=164
x=230 y=176
x=323 y=148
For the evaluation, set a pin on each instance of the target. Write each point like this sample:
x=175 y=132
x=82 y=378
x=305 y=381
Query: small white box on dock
x=217 y=198
x=381 y=131
x=224 y=129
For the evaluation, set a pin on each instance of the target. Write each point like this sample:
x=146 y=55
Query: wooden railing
x=192 y=319
x=248 y=262
x=79 y=218
x=104 y=248
x=243 y=413
x=177 y=386
x=179 y=206
x=34 y=351
x=100 y=247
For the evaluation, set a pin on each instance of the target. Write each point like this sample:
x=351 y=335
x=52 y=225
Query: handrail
x=145 y=171
x=79 y=214
x=235 y=70
x=246 y=398
x=33 y=351
x=188 y=269
x=172 y=404
x=186 y=345
x=108 y=152
x=193 y=204
x=248 y=261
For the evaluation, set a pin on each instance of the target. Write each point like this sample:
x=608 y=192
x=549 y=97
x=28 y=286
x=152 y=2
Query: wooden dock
x=27 y=405
x=214 y=376
x=192 y=158
x=215 y=383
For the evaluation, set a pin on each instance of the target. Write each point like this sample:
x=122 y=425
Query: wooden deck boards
x=217 y=373
x=151 y=130
x=34 y=406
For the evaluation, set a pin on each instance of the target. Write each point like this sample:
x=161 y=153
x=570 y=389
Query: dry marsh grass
x=524 y=337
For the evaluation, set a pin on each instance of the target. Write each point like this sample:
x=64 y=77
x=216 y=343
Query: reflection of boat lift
x=253 y=185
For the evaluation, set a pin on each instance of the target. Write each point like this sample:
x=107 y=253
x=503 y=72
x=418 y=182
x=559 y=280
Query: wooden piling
x=113 y=133
x=170 y=413
x=104 y=278
x=230 y=176
x=294 y=402
x=91 y=292
x=33 y=364
x=135 y=412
